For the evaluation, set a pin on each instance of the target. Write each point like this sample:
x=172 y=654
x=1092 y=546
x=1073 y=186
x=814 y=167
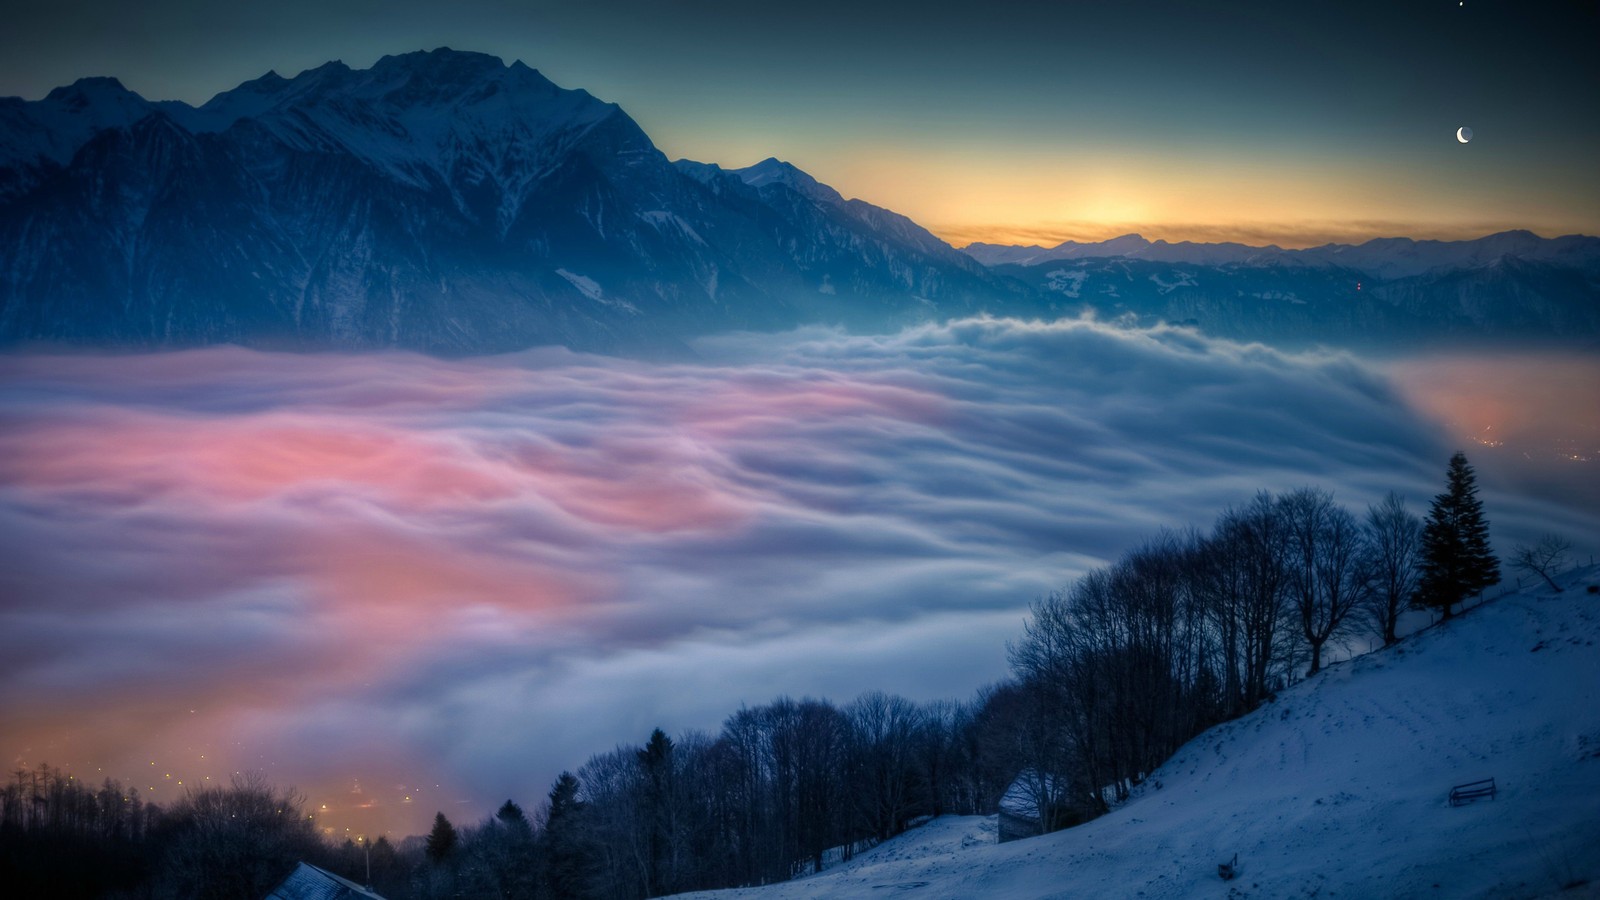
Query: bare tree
x=1543 y=558
x=1324 y=572
x=1249 y=549
x=883 y=734
x=941 y=759
x=1394 y=545
x=1050 y=720
x=612 y=793
x=236 y=841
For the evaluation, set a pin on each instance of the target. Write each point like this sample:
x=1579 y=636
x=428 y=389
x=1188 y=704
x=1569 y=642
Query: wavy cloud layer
x=383 y=577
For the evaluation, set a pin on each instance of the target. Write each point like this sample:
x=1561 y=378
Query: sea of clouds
x=388 y=575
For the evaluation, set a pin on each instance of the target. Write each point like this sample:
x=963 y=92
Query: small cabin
x=1019 y=805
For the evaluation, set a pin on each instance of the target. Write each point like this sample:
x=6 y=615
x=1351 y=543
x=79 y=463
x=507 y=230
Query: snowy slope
x=1338 y=788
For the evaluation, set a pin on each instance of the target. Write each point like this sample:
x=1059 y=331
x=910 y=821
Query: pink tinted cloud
x=755 y=403
x=634 y=485
x=244 y=459
x=406 y=570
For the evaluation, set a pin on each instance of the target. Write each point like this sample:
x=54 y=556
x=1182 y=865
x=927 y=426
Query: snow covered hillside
x=1338 y=788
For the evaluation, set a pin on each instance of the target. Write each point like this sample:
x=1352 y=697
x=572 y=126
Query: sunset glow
x=1077 y=121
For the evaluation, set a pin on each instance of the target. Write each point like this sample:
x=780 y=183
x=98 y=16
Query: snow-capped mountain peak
x=38 y=137
x=439 y=200
x=775 y=171
x=435 y=200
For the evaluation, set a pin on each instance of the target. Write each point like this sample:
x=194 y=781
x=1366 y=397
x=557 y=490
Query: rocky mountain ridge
x=438 y=201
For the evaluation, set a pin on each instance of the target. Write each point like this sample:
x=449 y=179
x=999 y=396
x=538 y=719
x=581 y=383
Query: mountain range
x=1384 y=293
x=440 y=201
x=444 y=201
x=1381 y=258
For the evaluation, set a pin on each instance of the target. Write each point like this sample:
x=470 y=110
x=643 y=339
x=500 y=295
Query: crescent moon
x=1463 y=134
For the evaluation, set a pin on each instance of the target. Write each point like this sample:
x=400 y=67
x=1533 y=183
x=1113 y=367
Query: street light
x=366 y=849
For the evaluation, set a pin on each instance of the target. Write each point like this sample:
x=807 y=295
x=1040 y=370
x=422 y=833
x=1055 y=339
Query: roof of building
x=308 y=882
x=1021 y=798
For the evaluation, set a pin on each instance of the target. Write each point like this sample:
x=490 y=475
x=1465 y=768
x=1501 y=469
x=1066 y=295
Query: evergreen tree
x=511 y=815
x=569 y=864
x=442 y=839
x=1456 y=560
x=655 y=760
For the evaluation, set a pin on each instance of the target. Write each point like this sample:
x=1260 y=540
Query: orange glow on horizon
x=1292 y=197
x=1288 y=236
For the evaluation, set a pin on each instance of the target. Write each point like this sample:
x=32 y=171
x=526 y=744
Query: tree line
x=780 y=791
x=62 y=837
x=1191 y=629
x=1110 y=676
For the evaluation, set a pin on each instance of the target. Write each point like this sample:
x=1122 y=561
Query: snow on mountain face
x=424 y=117
x=1386 y=293
x=39 y=137
x=775 y=171
x=1337 y=788
x=433 y=201
x=437 y=201
x=65 y=119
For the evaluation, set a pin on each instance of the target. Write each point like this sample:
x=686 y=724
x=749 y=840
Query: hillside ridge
x=1338 y=787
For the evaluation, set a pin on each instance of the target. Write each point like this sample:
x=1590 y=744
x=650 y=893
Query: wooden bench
x=1472 y=790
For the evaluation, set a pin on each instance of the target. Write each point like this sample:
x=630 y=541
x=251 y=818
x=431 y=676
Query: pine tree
x=511 y=815
x=442 y=839
x=568 y=862
x=1456 y=559
x=655 y=760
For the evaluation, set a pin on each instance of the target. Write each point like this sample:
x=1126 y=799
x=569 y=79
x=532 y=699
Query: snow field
x=1338 y=788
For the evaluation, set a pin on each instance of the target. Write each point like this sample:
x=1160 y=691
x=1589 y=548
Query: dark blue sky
x=1255 y=120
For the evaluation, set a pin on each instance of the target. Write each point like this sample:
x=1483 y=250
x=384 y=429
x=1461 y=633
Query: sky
x=384 y=576
x=1293 y=123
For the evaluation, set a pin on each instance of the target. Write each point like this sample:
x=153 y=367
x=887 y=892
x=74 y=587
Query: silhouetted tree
x=941 y=761
x=657 y=808
x=442 y=839
x=235 y=841
x=386 y=870
x=883 y=735
x=1393 y=546
x=1543 y=558
x=1325 y=573
x=1456 y=559
x=60 y=837
x=510 y=852
x=569 y=858
x=511 y=815
x=1244 y=585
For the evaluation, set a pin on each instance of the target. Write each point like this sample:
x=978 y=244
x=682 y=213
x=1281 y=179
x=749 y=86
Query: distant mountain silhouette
x=1380 y=257
x=1389 y=291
